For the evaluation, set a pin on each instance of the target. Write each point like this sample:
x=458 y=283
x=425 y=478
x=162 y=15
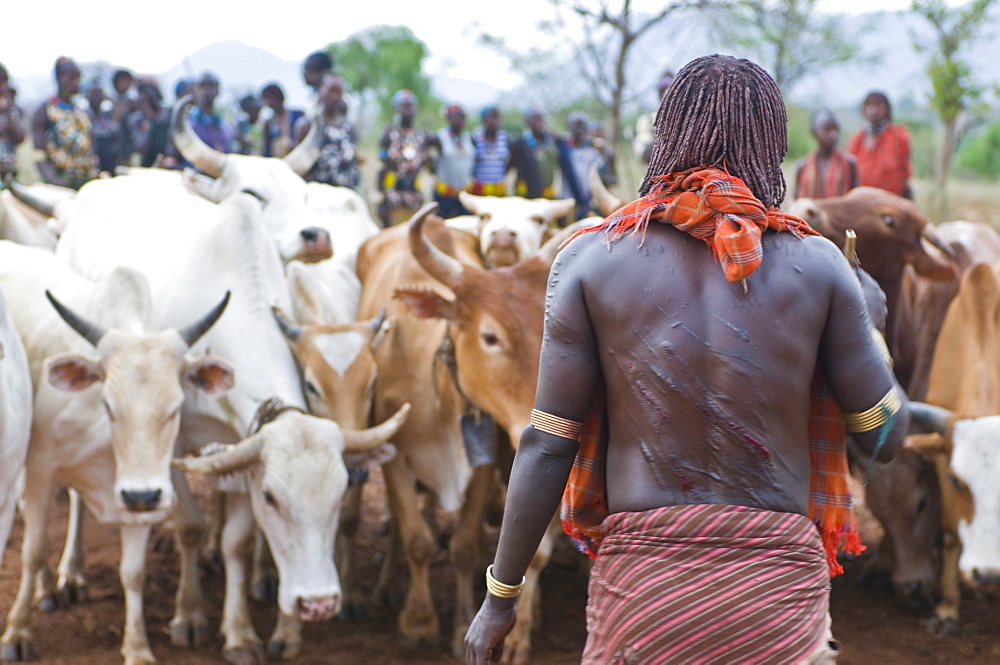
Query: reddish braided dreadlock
x=723 y=112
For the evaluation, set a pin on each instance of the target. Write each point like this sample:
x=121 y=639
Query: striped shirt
x=492 y=157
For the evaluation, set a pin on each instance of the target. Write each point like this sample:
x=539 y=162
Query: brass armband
x=876 y=416
x=883 y=348
x=546 y=422
x=497 y=588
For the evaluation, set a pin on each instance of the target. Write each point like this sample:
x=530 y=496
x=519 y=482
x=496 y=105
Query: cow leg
x=286 y=640
x=189 y=627
x=71 y=586
x=353 y=607
x=132 y=570
x=264 y=578
x=417 y=620
x=518 y=646
x=242 y=646
x=464 y=551
x=946 y=620
x=17 y=643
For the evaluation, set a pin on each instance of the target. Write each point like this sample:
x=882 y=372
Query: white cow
x=184 y=259
x=976 y=460
x=107 y=402
x=509 y=228
x=15 y=417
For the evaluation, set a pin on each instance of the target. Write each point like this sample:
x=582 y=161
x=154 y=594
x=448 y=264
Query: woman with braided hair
x=702 y=354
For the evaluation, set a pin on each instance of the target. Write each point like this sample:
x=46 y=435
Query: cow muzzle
x=915 y=594
x=318 y=609
x=141 y=501
x=982 y=577
x=316 y=244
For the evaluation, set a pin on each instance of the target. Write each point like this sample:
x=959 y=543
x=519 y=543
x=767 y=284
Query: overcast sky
x=150 y=37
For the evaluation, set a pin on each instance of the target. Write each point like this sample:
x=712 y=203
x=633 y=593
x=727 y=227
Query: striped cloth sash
x=835 y=180
x=707 y=584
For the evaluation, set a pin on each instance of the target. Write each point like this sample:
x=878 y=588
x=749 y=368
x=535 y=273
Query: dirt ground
x=872 y=626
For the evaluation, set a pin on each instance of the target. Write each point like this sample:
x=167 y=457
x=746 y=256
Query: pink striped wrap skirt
x=709 y=584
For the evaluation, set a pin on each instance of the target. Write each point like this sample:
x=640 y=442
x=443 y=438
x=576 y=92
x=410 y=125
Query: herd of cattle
x=241 y=323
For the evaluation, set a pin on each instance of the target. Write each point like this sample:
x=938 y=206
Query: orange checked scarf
x=720 y=209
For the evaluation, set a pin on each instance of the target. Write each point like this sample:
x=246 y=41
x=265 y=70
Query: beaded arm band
x=876 y=416
x=499 y=589
x=546 y=422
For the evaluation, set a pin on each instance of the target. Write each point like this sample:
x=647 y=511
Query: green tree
x=380 y=60
x=789 y=38
x=954 y=89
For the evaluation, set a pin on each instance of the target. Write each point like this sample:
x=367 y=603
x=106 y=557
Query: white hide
x=15 y=418
x=976 y=460
x=511 y=218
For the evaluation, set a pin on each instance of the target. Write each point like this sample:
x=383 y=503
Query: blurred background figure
x=249 y=138
x=107 y=134
x=642 y=144
x=882 y=148
x=492 y=161
x=826 y=171
x=11 y=127
x=279 y=128
x=206 y=120
x=581 y=156
x=537 y=157
x=403 y=153
x=149 y=124
x=62 y=132
x=606 y=169
x=455 y=155
x=338 y=158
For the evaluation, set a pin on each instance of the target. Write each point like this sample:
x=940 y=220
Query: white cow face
x=510 y=228
x=976 y=459
x=142 y=378
x=295 y=470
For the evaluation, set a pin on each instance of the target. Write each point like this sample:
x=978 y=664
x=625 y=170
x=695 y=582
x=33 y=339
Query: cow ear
x=209 y=375
x=369 y=459
x=426 y=303
x=202 y=185
x=72 y=373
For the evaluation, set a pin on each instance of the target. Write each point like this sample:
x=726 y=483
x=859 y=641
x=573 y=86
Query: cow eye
x=107 y=407
x=269 y=498
x=311 y=389
x=889 y=220
x=922 y=506
x=490 y=339
x=539 y=219
x=256 y=195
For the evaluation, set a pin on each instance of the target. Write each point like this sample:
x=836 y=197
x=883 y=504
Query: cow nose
x=504 y=239
x=310 y=234
x=984 y=577
x=141 y=501
x=912 y=589
x=319 y=609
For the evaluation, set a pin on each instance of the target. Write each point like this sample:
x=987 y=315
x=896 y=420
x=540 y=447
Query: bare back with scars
x=708 y=382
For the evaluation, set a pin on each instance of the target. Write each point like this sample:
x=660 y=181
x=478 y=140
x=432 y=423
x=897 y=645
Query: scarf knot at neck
x=712 y=205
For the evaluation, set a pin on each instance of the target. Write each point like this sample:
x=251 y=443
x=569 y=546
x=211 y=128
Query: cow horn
x=208 y=160
x=29 y=199
x=193 y=332
x=89 y=331
x=851 y=248
x=290 y=330
x=304 y=155
x=606 y=202
x=548 y=251
x=377 y=321
x=442 y=267
x=232 y=457
x=927 y=418
x=931 y=235
x=356 y=441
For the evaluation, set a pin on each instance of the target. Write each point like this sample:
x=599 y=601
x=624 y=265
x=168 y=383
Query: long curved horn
x=232 y=458
x=606 y=202
x=89 y=331
x=931 y=236
x=193 y=332
x=208 y=160
x=304 y=155
x=442 y=267
x=30 y=199
x=290 y=330
x=356 y=441
x=376 y=321
x=927 y=418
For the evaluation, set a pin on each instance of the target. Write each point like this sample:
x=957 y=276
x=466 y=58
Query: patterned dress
x=69 y=142
x=338 y=159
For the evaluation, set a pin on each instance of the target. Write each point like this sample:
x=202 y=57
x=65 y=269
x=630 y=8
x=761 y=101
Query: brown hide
x=890 y=231
x=929 y=299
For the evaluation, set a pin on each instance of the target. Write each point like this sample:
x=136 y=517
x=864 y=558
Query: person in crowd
x=107 y=133
x=455 y=156
x=206 y=120
x=314 y=67
x=149 y=124
x=403 y=153
x=338 y=158
x=582 y=155
x=249 y=134
x=537 y=157
x=11 y=127
x=184 y=87
x=123 y=97
x=826 y=171
x=642 y=144
x=279 y=128
x=62 y=132
x=598 y=139
x=489 y=171
x=701 y=464
x=882 y=148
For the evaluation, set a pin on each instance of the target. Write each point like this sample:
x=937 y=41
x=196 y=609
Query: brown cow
x=891 y=232
x=494 y=319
